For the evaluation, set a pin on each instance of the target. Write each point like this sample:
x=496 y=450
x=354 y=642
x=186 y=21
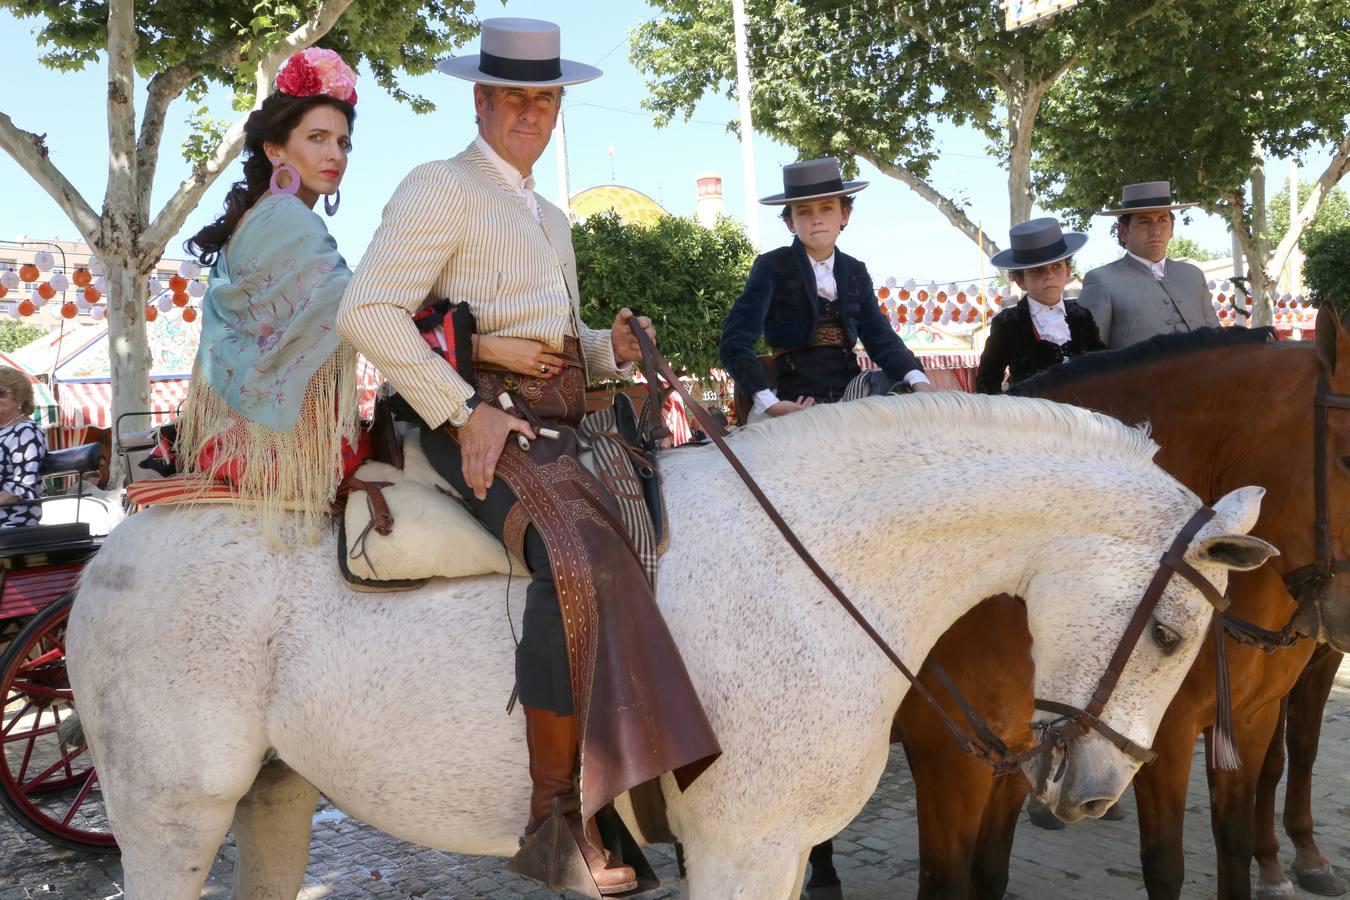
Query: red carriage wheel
x=47 y=785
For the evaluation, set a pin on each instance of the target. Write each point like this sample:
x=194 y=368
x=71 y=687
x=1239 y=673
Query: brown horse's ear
x=1330 y=333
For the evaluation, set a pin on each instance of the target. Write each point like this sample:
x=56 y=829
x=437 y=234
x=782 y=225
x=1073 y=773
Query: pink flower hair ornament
x=317 y=71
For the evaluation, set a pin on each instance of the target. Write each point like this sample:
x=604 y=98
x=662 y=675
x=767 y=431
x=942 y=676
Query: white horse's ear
x=1238 y=510
x=1235 y=551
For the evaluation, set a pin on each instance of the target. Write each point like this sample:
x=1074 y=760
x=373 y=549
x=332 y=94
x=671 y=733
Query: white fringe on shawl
x=283 y=471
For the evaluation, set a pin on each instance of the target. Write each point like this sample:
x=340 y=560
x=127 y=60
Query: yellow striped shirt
x=456 y=229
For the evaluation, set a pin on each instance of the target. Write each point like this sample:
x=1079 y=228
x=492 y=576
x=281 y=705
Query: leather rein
x=1327 y=566
x=1054 y=734
x=1324 y=570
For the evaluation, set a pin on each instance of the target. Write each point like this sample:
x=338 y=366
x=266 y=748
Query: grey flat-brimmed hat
x=1144 y=197
x=814 y=179
x=1037 y=242
x=519 y=53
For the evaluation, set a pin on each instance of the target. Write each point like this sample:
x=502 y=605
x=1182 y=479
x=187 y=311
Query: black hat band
x=1025 y=259
x=833 y=186
x=519 y=69
x=1146 y=202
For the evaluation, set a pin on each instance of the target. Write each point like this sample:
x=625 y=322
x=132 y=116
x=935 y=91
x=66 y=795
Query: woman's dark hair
x=271 y=123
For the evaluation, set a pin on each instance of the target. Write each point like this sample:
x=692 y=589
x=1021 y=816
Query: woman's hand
x=519 y=355
x=783 y=407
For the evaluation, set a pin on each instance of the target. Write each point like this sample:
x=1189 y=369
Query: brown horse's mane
x=1163 y=346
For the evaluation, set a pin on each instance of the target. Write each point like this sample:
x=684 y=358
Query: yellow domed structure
x=633 y=207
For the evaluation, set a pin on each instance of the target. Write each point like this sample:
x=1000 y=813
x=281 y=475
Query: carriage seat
x=77 y=460
x=44 y=537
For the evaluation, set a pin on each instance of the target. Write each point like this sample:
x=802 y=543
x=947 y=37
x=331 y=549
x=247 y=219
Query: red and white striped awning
x=88 y=404
x=934 y=359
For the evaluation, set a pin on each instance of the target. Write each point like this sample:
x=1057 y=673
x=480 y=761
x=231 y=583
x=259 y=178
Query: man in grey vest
x=1144 y=293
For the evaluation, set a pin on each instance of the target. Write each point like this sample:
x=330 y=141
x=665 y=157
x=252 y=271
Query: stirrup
x=552 y=855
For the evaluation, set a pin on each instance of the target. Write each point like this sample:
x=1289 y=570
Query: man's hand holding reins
x=626 y=347
x=481 y=441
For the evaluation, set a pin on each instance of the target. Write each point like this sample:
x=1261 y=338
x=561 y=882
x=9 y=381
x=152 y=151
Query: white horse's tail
x=71 y=731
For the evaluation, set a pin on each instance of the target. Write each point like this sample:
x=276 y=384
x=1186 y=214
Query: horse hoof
x=1262 y=891
x=1321 y=880
x=1042 y=817
x=825 y=892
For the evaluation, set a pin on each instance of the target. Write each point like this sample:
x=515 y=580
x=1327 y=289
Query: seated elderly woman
x=22 y=449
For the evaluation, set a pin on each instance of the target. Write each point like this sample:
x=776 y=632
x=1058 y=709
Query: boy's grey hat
x=1144 y=197
x=519 y=53
x=1037 y=242
x=813 y=180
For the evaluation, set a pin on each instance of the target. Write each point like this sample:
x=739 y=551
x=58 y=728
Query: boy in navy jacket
x=812 y=303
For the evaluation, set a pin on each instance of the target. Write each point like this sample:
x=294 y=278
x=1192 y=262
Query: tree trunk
x=128 y=347
x=1024 y=103
x=1258 y=258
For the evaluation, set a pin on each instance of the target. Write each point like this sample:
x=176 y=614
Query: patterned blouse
x=22 y=449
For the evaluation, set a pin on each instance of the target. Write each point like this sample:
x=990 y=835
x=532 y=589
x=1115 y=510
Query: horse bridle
x=1072 y=723
x=1325 y=568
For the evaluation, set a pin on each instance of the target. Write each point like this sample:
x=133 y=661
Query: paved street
x=877 y=856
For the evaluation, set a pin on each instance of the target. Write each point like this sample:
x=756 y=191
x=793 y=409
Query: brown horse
x=1228 y=408
x=1300 y=726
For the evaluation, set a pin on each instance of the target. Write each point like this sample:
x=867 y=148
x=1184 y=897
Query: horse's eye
x=1166 y=639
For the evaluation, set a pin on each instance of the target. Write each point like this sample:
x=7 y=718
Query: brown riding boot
x=553 y=741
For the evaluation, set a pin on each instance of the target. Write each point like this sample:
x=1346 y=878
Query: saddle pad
x=434 y=534
x=178 y=489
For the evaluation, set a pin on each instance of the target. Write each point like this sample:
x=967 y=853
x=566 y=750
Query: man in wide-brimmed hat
x=472 y=229
x=1144 y=293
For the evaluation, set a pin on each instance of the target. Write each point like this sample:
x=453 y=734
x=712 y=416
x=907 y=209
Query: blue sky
x=892 y=230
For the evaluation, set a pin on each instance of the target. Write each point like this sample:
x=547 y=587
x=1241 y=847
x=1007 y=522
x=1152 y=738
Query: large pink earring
x=291 y=188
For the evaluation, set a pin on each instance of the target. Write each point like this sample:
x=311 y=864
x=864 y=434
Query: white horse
x=221 y=682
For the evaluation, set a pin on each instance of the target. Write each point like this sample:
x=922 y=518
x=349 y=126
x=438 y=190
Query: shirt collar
x=1159 y=268
x=826 y=263
x=1040 y=309
x=508 y=171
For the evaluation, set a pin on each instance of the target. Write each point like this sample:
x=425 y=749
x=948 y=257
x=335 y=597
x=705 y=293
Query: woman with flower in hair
x=272 y=400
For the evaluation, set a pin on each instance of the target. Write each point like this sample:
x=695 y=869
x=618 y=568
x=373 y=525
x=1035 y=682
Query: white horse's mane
x=981 y=425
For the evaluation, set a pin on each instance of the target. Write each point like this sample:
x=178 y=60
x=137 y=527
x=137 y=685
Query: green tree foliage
x=682 y=275
x=15 y=334
x=1326 y=270
x=1190 y=97
x=1333 y=216
x=221 y=41
x=1185 y=248
x=872 y=79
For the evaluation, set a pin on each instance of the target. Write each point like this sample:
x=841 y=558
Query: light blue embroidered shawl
x=268 y=318
x=273 y=393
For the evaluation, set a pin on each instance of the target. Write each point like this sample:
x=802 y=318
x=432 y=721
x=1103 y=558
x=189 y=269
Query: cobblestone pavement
x=877 y=856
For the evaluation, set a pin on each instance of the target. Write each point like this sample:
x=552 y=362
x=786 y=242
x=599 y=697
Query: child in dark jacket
x=811 y=302
x=1043 y=329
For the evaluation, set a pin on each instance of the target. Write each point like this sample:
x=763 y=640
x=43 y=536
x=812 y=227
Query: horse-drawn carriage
x=47 y=782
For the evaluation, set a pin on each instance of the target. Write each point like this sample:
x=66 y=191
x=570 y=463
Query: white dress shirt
x=524 y=184
x=1159 y=268
x=1051 y=322
x=826 y=287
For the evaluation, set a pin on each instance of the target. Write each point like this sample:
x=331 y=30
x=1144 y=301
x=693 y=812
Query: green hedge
x=1326 y=270
x=682 y=275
